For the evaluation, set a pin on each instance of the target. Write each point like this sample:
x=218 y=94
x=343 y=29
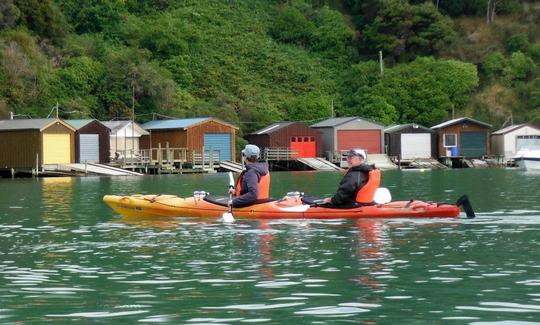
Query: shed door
x=473 y=144
x=56 y=148
x=306 y=146
x=415 y=145
x=369 y=140
x=89 y=147
x=220 y=143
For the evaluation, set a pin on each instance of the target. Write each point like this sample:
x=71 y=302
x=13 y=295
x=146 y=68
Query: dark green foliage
x=494 y=64
x=403 y=30
x=43 y=17
x=518 y=42
x=256 y=62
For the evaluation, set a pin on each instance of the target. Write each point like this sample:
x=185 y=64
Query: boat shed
x=125 y=137
x=508 y=141
x=194 y=134
x=32 y=143
x=410 y=141
x=463 y=137
x=92 y=141
x=291 y=135
x=344 y=133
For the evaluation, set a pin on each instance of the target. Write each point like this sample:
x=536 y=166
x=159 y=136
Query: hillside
x=254 y=62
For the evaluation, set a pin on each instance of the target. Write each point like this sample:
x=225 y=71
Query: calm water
x=65 y=257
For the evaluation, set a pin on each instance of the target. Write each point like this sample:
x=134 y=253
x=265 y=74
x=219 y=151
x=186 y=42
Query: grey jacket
x=250 y=184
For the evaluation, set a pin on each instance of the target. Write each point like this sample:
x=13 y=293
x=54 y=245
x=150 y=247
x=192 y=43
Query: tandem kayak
x=289 y=207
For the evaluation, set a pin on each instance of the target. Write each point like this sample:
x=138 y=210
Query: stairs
x=319 y=164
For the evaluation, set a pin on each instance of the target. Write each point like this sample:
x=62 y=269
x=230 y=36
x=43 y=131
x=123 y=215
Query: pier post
x=12 y=173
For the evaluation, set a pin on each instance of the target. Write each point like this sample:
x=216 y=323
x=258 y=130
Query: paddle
x=228 y=216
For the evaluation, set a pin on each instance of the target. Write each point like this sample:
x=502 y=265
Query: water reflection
x=57 y=200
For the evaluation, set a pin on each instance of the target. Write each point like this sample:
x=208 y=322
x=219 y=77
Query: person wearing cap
x=354 y=180
x=254 y=182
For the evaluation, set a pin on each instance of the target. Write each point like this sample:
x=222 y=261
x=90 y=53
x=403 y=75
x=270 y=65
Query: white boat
x=528 y=159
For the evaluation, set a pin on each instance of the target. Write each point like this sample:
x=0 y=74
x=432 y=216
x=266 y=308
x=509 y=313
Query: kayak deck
x=151 y=206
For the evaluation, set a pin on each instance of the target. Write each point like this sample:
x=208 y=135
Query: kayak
x=289 y=207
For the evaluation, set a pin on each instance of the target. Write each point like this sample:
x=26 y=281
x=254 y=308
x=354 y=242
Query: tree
x=401 y=29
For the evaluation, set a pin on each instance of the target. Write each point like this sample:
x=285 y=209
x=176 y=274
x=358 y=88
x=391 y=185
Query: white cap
x=357 y=152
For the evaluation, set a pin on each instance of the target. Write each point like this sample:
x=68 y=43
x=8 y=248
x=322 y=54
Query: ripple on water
x=258 y=306
x=100 y=314
x=503 y=307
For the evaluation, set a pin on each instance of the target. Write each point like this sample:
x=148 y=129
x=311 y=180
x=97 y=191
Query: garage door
x=56 y=148
x=369 y=140
x=473 y=144
x=306 y=146
x=415 y=145
x=89 y=148
x=220 y=142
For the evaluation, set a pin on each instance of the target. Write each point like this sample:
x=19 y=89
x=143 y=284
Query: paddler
x=359 y=183
x=253 y=184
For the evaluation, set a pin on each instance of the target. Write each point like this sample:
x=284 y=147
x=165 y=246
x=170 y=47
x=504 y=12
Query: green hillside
x=254 y=62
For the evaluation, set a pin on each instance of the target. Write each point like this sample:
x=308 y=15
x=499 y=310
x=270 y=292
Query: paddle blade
x=227 y=217
x=466 y=204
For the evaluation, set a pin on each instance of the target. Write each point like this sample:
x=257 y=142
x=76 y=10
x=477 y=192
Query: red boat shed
x=294 y=135
x=344 y=133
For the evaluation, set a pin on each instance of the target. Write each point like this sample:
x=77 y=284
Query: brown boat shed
x=32 y=143
x=291 y=135
x=410 y=141
x=193 y=134
x=92 y=141
x=463 y=137
x=344 y=133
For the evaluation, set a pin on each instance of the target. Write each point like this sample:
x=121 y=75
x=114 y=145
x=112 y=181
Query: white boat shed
x=508 y=141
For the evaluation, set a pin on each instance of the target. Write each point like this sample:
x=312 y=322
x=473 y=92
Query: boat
x=294 y=205
x=528 y=159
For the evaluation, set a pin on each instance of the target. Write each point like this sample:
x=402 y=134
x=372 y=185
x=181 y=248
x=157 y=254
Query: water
x=65 y=257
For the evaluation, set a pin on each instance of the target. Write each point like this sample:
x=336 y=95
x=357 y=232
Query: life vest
x=367 y=192
x=264 y=186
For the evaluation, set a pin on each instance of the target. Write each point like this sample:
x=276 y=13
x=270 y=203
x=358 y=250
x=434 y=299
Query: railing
x=279 y=154
x=167 y=156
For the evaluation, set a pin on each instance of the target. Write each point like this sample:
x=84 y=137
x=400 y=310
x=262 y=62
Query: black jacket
x=355 y=178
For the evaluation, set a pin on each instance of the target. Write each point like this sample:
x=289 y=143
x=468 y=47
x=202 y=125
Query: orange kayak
x=143 y=206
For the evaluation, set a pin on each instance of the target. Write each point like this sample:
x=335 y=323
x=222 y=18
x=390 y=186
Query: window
x=306 y=139
x=299 y=139
x=450 y=140
x=527 y=142
x=293 y=139
x=312 y=139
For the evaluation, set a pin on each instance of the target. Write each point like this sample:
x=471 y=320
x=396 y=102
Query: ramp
x=319 y=164
x=98 y=169
x=379 y=160
x=231 y=166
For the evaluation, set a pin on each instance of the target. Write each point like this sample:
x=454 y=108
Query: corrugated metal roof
x=512 y=128
x=272 y=128
x=116 y=126
x=335 y=121
x=77 y=124
x=25 y=124
x=459 y=120
x=173 y=124
x=399 y=127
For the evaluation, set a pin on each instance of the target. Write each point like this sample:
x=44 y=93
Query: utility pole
x=381 y=63
x=133 y=119
x=332 y=107
x=453 y=113
x=56 y=110
x=11 y=115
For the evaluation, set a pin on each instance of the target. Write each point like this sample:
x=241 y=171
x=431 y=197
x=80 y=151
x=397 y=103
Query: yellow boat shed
x=32 y=143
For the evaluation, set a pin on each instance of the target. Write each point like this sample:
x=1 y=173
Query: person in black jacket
x=355 y=178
